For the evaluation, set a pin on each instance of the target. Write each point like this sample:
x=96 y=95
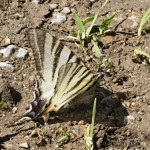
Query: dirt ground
x=121 y=123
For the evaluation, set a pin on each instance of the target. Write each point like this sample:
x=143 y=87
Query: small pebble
x=6 y=65
x=7 y=40
x=133 y=103
x=38 y=1
x=21 y=53
x=24 y=145
x=129 y=119
x=126 y=104
x=66 y=10
x=8 y=50
x=53 y=6
x=139 y=119
x=81 y=122
x=58 y=18
x=14 y=110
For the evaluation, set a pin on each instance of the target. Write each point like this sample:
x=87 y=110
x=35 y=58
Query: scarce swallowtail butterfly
x=64 y=78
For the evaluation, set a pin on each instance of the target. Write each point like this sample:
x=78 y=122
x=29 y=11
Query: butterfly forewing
x=50 y=54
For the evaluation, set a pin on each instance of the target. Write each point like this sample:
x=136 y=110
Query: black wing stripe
x=54 y=41
x=64 y=73
x=37 y=45
x=75 y=71
x=71 y=56
x=72 y=69
x=56 y=59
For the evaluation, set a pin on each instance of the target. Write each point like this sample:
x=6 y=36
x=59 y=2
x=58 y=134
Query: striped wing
x=50 y=54
x=73 y=81
x=63 y=74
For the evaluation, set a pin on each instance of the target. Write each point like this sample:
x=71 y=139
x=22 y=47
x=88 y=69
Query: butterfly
x=64 y=79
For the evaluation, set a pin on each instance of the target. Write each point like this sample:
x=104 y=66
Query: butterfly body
x=64 y=79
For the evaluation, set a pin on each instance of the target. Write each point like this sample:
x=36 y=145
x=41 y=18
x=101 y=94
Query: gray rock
x=21 y=53
x=53 y=6
x=58 y=18
x=8 y=50
x=6 y=65
x=66 y=10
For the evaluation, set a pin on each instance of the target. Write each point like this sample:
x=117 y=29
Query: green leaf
x=87 y=20
x=2 y=105
x=144 y=19
x=79 y=23
x=105 y=23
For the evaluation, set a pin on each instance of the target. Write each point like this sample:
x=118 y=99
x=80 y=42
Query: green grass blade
x=144 y=19
x=88 y=31
x=141 y=52
x=93 y=119
x=95 y=17
x=104 y=4
x=79 y=23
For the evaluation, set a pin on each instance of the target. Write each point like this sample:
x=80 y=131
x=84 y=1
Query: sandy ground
x=121 y=123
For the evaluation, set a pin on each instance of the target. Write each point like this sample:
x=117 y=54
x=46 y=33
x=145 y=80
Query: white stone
x=8 y=50
x=6 y=65
x=14 y=110
x=24 y=145
x=66 y=10
x=53 y=6
x=58 y=18
x=129 y=119
x=38 y=1
x=21 y=53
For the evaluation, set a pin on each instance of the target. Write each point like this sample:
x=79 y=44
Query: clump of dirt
x=8 y=96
